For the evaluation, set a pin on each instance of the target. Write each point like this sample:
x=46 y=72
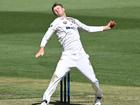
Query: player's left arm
x=109 y=25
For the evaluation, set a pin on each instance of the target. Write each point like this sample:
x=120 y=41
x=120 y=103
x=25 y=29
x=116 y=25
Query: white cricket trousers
x=68 y=60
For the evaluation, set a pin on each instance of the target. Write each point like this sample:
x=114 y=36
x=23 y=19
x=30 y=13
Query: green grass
x=23 y=91
x=115 y=54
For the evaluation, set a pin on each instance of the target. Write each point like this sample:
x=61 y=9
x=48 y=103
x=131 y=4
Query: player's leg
x=86 y=69
x=60 y=71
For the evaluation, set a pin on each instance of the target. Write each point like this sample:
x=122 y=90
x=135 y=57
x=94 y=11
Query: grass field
x=27 y=91
x=115 y=54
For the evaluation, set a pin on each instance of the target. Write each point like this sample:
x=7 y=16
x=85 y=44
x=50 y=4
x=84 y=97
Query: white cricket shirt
x=66 y=29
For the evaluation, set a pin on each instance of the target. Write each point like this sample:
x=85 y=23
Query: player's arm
x=46 y=37
x=44 y=41
x=110 y=25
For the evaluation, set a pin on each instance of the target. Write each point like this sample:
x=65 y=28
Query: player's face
x=59 y=11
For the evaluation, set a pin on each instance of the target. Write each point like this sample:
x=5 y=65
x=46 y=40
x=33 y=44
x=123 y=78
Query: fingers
x=112 y=24
x=40 y=53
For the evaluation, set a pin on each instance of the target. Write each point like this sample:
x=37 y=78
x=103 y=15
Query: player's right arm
x=45 y=39
x=40 y=52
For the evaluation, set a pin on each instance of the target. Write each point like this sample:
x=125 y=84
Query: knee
x=94 y=81
x=55 y=78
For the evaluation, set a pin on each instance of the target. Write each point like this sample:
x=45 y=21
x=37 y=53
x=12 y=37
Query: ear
x=64 y=9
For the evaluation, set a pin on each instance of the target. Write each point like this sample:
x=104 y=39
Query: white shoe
x=98 y=103
x=98 y=100
x=44 y=102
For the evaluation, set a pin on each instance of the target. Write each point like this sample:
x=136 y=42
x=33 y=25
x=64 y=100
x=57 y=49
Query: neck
x=64 y=15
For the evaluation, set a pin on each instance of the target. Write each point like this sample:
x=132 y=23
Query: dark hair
x=56 y=4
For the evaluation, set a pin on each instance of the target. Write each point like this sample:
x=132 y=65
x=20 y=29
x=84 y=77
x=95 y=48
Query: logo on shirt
x=69 y=27
x=64 y=22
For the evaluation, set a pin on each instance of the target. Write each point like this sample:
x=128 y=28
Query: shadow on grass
x=57 y=103
x=60 y=103
x=23 y=22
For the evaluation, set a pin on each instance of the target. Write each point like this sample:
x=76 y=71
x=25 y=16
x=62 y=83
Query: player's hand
x=40 y=53
x=111 y=24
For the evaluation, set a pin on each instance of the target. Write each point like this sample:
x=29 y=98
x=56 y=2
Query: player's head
x=58 y=9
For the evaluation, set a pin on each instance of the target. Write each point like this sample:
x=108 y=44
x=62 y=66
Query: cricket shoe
x=98 y=100
x=44 y=102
